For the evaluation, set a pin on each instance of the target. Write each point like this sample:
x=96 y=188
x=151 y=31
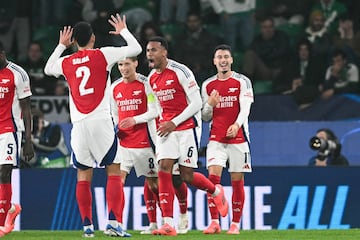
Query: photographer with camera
x=49 y=143
x=329 y=149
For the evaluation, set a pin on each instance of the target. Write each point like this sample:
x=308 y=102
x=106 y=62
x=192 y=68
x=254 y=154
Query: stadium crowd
x=308 y=49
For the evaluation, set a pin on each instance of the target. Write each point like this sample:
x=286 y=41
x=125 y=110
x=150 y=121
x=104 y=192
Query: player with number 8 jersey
x=93 y=136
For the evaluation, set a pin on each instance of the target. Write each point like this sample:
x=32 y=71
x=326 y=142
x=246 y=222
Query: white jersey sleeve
x=192 y=91
x=207 y=110
x=115 y=54
x=113 y=104
x=152 y=105
x=246 y=98
x=54 y=64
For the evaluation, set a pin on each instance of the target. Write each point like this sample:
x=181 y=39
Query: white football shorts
x=10 y=147
x=94 y=141
x=142 y=159
x=179 y=145
x=238 y=156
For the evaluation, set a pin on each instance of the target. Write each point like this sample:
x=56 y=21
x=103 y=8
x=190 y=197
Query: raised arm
x=53 y=65
x=133 y=48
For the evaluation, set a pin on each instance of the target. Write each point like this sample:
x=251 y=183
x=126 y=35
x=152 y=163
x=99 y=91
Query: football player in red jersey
x=178 y=131
x=93 y=136
x=135 y=108
x=227 y=97
x=15 y=117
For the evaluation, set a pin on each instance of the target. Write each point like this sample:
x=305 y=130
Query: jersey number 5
x=83 y=72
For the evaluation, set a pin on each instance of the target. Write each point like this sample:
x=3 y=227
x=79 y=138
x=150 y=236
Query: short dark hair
x=223 y=47
x=161 y=40
x=339 y=52
x=329 y=134
x=82 y=33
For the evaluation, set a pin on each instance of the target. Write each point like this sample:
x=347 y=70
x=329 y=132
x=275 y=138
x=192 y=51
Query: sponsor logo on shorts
x=246 y=166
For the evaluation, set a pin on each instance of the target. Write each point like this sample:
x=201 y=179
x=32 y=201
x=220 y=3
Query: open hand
x=118 y=23
x=66 y=36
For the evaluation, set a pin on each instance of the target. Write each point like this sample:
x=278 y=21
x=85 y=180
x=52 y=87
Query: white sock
x=168 y=220
x=216 y=192
x=12 y=209
x=113 y=223
x=89 y=226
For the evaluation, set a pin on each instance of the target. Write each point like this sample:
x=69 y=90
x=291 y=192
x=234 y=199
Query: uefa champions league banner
x=276 y=198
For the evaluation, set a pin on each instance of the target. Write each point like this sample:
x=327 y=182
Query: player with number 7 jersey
x=93 y=136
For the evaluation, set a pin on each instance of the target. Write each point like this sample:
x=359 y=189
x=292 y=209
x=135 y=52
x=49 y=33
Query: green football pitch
x=192 y=235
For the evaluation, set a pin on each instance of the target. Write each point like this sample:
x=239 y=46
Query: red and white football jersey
x=14 y=85
x=225 y=113
x=172 y=88
x=132 y=100
x=87 y=74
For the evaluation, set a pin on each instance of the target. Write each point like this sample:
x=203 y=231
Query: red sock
x=84 y=199
x=150 y=202
x=5 y=201
x=214 y=212
x=166 y=194
x=122 y=204
x=114 y=192
x=201 y=182
x=238 y=197
x=181 y=194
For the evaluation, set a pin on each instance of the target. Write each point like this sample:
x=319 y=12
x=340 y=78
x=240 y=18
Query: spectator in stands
x=168 y=7
x=348 y=38
x=331 y=10
x=194 y=48
x=136 y=17
x=302 y=76
x=329 y=149
x=341 y=76
x=317 y=34
x=97 y=12
x=237 y=19
x=289 y=12
x=61 y=87
x=49 y=143
x=51 y=12
x=15 y=27
x=268 y=52
x=147 y=31
x=41 y=84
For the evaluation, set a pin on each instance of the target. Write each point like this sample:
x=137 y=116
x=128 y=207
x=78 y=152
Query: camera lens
x=316 y=143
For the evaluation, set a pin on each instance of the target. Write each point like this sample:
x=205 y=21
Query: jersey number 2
x=83 y=72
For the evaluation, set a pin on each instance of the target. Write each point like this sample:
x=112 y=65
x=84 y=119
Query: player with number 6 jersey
x=93 y=136
x=178 y=130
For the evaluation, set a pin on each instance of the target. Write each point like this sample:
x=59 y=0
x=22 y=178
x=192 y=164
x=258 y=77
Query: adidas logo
x=212 y=205
x=8 y=158
x=236 y=210
x=246 y=166
x=119 y=95
x=154 y=86
x=163 y=201
x=187 y=160
x=2 y=210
